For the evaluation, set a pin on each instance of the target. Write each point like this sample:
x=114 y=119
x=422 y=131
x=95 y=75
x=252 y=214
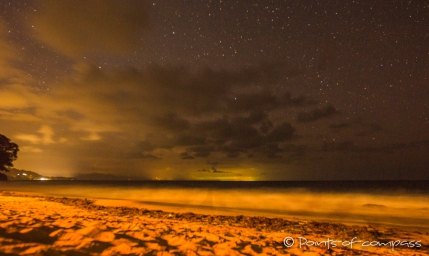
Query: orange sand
x=32 y=225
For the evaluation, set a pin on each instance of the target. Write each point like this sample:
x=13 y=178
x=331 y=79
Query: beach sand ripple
x=38 y=225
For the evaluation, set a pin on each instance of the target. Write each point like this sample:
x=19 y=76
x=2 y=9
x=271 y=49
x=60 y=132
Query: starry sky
x=217 y=89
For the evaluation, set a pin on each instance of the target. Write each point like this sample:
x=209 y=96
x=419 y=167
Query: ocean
x=387 y=203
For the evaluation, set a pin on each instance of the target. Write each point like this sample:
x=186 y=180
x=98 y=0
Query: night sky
x=225 y=90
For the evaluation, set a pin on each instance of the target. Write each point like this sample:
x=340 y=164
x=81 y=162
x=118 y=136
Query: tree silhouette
x=8 y=154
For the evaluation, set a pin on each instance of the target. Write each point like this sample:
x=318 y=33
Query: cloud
x=142 y=115
x=296 y=151
x=172 y=122
x=166 y=108
x=230 y=136
x=203 y=170
x=90 y=27
x=92 y=137
x=45 y=137
x=201 y=150
x=15 y=96
x=340 y=126
x=212 y=170
x=29 y=137
x=149 y=156
x=368 y=129
x=185 y=155
x=76 y=116
x=13 y=100
x=272 y=150
x=126 y=148
x=350 y=146
x=217 y=171
x=363 y=129
x=283 y=132
x=338 y=146
x=213 y=163
x=317 y=114
x=30 y=149
x=162 y=97
x=46 y=134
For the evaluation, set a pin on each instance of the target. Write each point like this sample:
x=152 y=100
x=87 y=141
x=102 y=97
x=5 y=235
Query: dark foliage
x=8 y=153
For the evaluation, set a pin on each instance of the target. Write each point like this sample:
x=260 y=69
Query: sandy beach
x=40 y=225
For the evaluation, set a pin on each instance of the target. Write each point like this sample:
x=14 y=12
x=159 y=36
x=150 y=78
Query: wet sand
x=32 y=224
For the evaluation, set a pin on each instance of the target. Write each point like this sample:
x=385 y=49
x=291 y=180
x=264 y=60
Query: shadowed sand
x=40 y=225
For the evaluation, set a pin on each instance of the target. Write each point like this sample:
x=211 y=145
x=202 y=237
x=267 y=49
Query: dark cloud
x=130 y=150
x=108 y=85
x=203 y=170
x=245 y=102
x=340 y=126
x=230 y=130
x=183 y=139
x=172 y=92
x=338 y=146
x=232 y=152
x=272 y=150
x=212 y=170
x=213 y=163
x=233 y=136
x=145 y=146
x=172 y=122
x=209 y=91
x=217 y=171
x=283 y=132
x=245 y=124
x=422 y=146
x=266 y=126
x=288 y=100
x=296 y=151
x=149 y=156
x=363 y=128
x=317 y=114
x=201 y=150
x=172 y=108
x=350 y=146
x=185 y=155
x=74 y=115
x=368 y=129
